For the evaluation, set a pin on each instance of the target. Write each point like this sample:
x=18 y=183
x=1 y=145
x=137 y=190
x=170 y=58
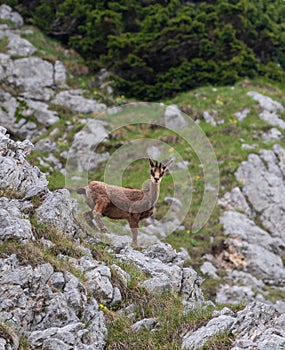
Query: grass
x=221 y=341
x=172 y=322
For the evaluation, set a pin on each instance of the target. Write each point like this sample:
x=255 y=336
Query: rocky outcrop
x=258 y=326
x=254 y=222
x=50 y=308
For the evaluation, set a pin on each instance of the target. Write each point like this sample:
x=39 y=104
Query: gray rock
x=190 y=288
x=12 y=224
x=18 y=46
x=59 y=74
x=33 y=76
x=57 y=280
x=167 y=275
x=15 y=172
x=174 y=119
x=242 y=115
x=162 y=251
x=145 y=324
x=248 y=147
x=262 y=183
x=99 y=282
x=82 y=156
x=235 y=294
x=41 y=112
x=270 y=109
x=210 y=119
x=198 y=338
x=74 y=100
x=272 y=135
x=7 y=13
x=257 y=326
x=235 y=200
x=122 y=274
x=239 y=225
x=117 y=296
x=45 y=145
x=57 y=211
x=209 y=269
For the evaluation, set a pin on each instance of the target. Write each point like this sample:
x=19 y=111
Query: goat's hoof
x=135 y=244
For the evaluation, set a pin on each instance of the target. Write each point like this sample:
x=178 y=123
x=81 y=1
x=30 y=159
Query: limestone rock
x=33 y=76
x=263 y=184
x=82 y=155
x=12 y=224
x=242 y=115
x=20 y=47
x=174 y=118
x=270 y=109
x=41 y=112
x=209 y=269
x=59 y=74
x=49 y=307
x=272 y=135
x=146 y=323
x=15 y=172
x=258 y=326
x=169 y=276
x=235 y=200
x=209 y=118
x=196 y=339
x=7 y=13
x=162 y=251
x=57 y=210
x=74 y=100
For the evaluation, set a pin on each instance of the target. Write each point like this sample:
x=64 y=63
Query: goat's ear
x=151 y=162
x=167 y=164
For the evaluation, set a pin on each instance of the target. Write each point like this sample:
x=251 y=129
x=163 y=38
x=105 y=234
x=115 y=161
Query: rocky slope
x=62 y=289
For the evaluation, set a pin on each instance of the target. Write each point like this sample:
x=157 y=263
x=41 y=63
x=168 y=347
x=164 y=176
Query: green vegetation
x=159 y=48
x=167 y=310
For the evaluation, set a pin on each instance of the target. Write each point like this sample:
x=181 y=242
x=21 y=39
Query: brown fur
x=119 y=203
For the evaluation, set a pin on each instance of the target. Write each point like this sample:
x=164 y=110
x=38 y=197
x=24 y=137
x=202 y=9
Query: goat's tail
x=81 y=190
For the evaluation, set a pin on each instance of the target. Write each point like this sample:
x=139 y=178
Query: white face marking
x=156 y=174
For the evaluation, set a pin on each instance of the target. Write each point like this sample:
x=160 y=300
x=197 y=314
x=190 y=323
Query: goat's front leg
x=97 y=214
x=134 y=226
x=88 y=216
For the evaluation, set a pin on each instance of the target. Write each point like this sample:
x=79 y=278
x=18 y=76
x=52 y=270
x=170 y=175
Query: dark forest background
x=158 y=48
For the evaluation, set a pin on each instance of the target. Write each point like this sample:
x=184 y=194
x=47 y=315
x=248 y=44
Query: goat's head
x=157 y=170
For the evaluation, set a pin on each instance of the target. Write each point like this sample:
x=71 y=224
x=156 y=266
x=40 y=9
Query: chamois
x=119 y=203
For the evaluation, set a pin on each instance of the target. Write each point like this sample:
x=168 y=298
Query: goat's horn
x=168 y=163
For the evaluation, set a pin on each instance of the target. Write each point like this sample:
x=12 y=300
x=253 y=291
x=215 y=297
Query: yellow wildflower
x=171 y=149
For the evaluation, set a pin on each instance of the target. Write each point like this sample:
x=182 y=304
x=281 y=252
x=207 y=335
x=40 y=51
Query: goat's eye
x=152 y=173
x=161 y=174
